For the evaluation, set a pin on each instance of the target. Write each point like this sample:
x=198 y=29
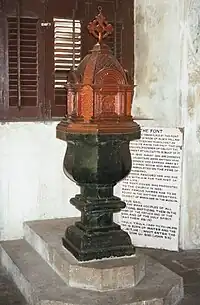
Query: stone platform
x=46 y=273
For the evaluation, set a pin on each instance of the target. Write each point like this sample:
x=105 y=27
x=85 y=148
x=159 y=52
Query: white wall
x=168 y=91
x=158 y=57
x=190 y=225
x=32 y=183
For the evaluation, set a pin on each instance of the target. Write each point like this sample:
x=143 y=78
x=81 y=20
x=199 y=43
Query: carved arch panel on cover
x=111 y=98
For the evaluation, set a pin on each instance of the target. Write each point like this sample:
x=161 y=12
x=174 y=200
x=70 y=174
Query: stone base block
x=96 y=245
x=116 y=273
x=42 y=286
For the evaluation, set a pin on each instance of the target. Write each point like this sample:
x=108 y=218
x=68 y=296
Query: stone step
x=36 y=280
x=45 y=236
x=40 y=285
x=9 y=293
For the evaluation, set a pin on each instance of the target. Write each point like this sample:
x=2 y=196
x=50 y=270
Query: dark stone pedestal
x=96 y=163
x=96 y=235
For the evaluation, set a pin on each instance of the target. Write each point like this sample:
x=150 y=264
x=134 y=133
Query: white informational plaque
x=152 y=191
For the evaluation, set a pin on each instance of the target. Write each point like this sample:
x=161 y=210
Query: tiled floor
x=185 y=263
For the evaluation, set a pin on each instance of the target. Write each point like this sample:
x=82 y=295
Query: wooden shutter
x=67 y=54
x=23 y=67
x=58 y=59
x=23 y=70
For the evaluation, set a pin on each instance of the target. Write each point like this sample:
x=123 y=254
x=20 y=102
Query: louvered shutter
x=116 y=45
x=67 y=54
x=23 y=78
x=60 y=52
x=23 y=68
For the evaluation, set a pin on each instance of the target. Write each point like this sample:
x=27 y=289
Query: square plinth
x=107 y=274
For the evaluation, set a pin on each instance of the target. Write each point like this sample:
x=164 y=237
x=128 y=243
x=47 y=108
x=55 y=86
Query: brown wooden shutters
x=22 y=62
x=41 y=40
x=62 y=50
x=67 y=54
x=22 y=57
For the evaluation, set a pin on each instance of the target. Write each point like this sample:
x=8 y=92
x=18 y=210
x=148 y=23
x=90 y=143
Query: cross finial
x=99 y=27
